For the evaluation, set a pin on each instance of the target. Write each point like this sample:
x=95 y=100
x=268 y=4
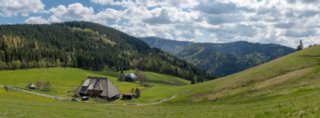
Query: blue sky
x=218 y=21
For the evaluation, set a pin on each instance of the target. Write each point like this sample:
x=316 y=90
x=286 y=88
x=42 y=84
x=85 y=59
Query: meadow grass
x=286 y=87
x=289 y=72
x=304 y=103
x=65 y=80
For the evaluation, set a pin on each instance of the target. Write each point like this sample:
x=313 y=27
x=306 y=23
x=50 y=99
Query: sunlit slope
x=288 y=87
x=64 y=80
x=283 y=76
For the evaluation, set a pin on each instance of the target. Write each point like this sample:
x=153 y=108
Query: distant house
x=131 y=77
x=32 y=86
x=98 y=87
x=127 y=96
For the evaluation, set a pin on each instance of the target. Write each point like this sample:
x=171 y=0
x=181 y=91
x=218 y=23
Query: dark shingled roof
x=105 y=86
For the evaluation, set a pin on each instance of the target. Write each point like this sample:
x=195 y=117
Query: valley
x=221 y=59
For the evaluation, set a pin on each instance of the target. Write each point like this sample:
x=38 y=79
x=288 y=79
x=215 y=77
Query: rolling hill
x=220 y=58
x=85 y=45
x=286 y=75
x=287 y=87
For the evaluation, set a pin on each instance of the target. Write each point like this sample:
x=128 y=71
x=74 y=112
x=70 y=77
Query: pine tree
x=300 y=46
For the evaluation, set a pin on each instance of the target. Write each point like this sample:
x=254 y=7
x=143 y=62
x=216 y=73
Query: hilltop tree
x=44 y=86
x=194 y=80
x=300 y=46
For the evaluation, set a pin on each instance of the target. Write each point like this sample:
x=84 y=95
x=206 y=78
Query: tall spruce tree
x=300 y=46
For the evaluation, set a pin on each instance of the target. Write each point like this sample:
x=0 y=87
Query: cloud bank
x=10 y=8
x=267 y=21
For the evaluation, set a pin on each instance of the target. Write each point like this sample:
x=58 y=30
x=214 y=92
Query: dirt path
x=35 y=93
x=62 y=98
x=153 y=103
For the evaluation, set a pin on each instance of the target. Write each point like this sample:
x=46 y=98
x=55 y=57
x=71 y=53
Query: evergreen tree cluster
x=88 y=46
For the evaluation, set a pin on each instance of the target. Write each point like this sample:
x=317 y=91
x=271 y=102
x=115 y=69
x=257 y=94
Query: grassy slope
x=286 y=87
x=281 y=76
x=24 y=105
x=64 y=80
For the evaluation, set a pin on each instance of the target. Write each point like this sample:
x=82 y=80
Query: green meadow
x=65 y=80
x=285 y=87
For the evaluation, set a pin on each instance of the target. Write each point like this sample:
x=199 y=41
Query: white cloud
x=36 y=20
x=162 y=18
x=59 y=10
x=102 y=2
x=108 y=14
x=75 y=11
x=23 y=7
x=168 y=15
x=216 y=7
x=149 y=3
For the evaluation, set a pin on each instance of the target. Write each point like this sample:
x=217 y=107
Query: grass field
x=286 y=87
x=297 y=70
x=66 y=80
x=299 y=104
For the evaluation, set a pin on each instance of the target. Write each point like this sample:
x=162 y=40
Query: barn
x=131 y=77
x=98 y=87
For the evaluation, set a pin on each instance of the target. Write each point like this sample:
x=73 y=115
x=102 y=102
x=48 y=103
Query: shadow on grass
x=165 y=82
x=311 y=56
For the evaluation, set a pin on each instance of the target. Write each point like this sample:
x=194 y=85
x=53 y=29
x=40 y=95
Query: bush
x=137 y=93
x=121 y=76
x=141 y=76
x=44 y=86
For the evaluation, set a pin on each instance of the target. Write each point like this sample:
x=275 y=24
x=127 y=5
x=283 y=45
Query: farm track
x=63 y=98
x=149 y=104
x=35 y=93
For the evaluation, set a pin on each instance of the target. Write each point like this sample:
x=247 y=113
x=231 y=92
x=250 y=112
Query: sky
x=282 y=22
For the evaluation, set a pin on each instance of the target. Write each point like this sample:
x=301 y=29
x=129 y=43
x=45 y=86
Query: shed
x=127 y=96
x=32 y=86
x=131 y=77
x=99 y=87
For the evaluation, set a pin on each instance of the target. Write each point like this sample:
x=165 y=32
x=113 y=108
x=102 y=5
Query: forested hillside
x=85 y=45
x=221 y=58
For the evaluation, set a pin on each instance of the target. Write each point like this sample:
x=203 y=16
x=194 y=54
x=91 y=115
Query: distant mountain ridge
x=220 y=58
x=170 y=46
